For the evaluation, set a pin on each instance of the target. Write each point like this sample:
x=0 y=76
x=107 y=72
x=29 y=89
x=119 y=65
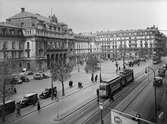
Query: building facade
x=36 y=41
x=12 y=45
x=130 y=43
x=46 y=39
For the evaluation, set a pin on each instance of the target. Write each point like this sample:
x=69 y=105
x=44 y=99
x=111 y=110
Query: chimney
x=22 y=9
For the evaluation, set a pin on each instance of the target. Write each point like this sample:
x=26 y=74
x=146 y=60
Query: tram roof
x=106 y=77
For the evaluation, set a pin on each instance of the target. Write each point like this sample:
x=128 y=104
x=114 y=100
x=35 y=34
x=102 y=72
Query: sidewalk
x=68 y=92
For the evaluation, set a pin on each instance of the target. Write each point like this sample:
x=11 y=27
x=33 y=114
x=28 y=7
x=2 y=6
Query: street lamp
x=101 y=111
x=154 y=81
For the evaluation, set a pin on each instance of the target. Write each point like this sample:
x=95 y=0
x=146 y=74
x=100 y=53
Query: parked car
x=44 y=75
x=38 y=76
x=9 y=107
x=15 y=80
x=164 y=66
x=161 y=72
x=47 y=93
x=29 y=99
x=158 y=81
x=24 y=78
x=29 y=73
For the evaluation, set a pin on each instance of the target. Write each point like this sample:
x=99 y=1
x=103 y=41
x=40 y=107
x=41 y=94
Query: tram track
x=107 y=108
x=119 y=96
x=93 y=103
x=108 y=105
x=78 y=113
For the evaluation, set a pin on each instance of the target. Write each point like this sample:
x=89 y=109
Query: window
x=13 y=45
x=22 y=24
x=58 y=28
x=28 y=45
x=33 y=24
x=5 y=45
x=28 y=54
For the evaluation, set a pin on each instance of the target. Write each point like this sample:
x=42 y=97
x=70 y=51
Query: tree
x=92 y=65
x=7 y=67
x=61 y=71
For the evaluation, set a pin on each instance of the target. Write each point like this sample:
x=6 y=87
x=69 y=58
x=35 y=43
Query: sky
x=95 y=15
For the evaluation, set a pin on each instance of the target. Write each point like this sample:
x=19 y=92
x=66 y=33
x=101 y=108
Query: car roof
x=29 y=94
x=7 y=102
x=158 y=77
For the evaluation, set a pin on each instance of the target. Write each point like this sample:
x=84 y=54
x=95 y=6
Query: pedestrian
x=38 y=105
x=92 y=78
x=55 y=93
x=97 y=91
x=15 y=91
x=96 y=78
x=18 y=111
x=116 y=64
x=119 y=68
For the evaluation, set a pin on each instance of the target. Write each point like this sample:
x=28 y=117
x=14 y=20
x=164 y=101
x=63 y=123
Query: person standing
x=15 y=91
x=92 y=78
x=96 y=78
x=38 y=105
x=97 y=91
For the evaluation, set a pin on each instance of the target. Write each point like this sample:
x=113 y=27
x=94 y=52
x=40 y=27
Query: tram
x=110 y=88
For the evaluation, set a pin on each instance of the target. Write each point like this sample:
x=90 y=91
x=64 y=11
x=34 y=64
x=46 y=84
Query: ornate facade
x=12 y=44
x=46 y=39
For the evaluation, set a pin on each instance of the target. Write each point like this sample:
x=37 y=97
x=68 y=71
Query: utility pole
x=51 y=70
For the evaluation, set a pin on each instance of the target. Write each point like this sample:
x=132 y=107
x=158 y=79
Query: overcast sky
x=95 y=15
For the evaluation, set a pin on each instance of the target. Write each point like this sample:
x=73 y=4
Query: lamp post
x=101 y=112
x=155 y=101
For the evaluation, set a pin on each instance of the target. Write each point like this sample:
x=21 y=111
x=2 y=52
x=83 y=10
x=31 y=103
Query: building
x=46 y=39
x=130 y=43
x=82 y=47
x=12 y=45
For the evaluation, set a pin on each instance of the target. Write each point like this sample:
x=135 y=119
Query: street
x=53 y=111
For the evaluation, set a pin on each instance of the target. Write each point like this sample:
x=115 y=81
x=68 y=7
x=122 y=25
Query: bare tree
x=61 y=71
x=92 y=65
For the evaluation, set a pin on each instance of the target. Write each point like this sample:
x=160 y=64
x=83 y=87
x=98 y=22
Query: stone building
x=130 y=43
x=82 y=48
x=12 y=45
x=46 y=39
